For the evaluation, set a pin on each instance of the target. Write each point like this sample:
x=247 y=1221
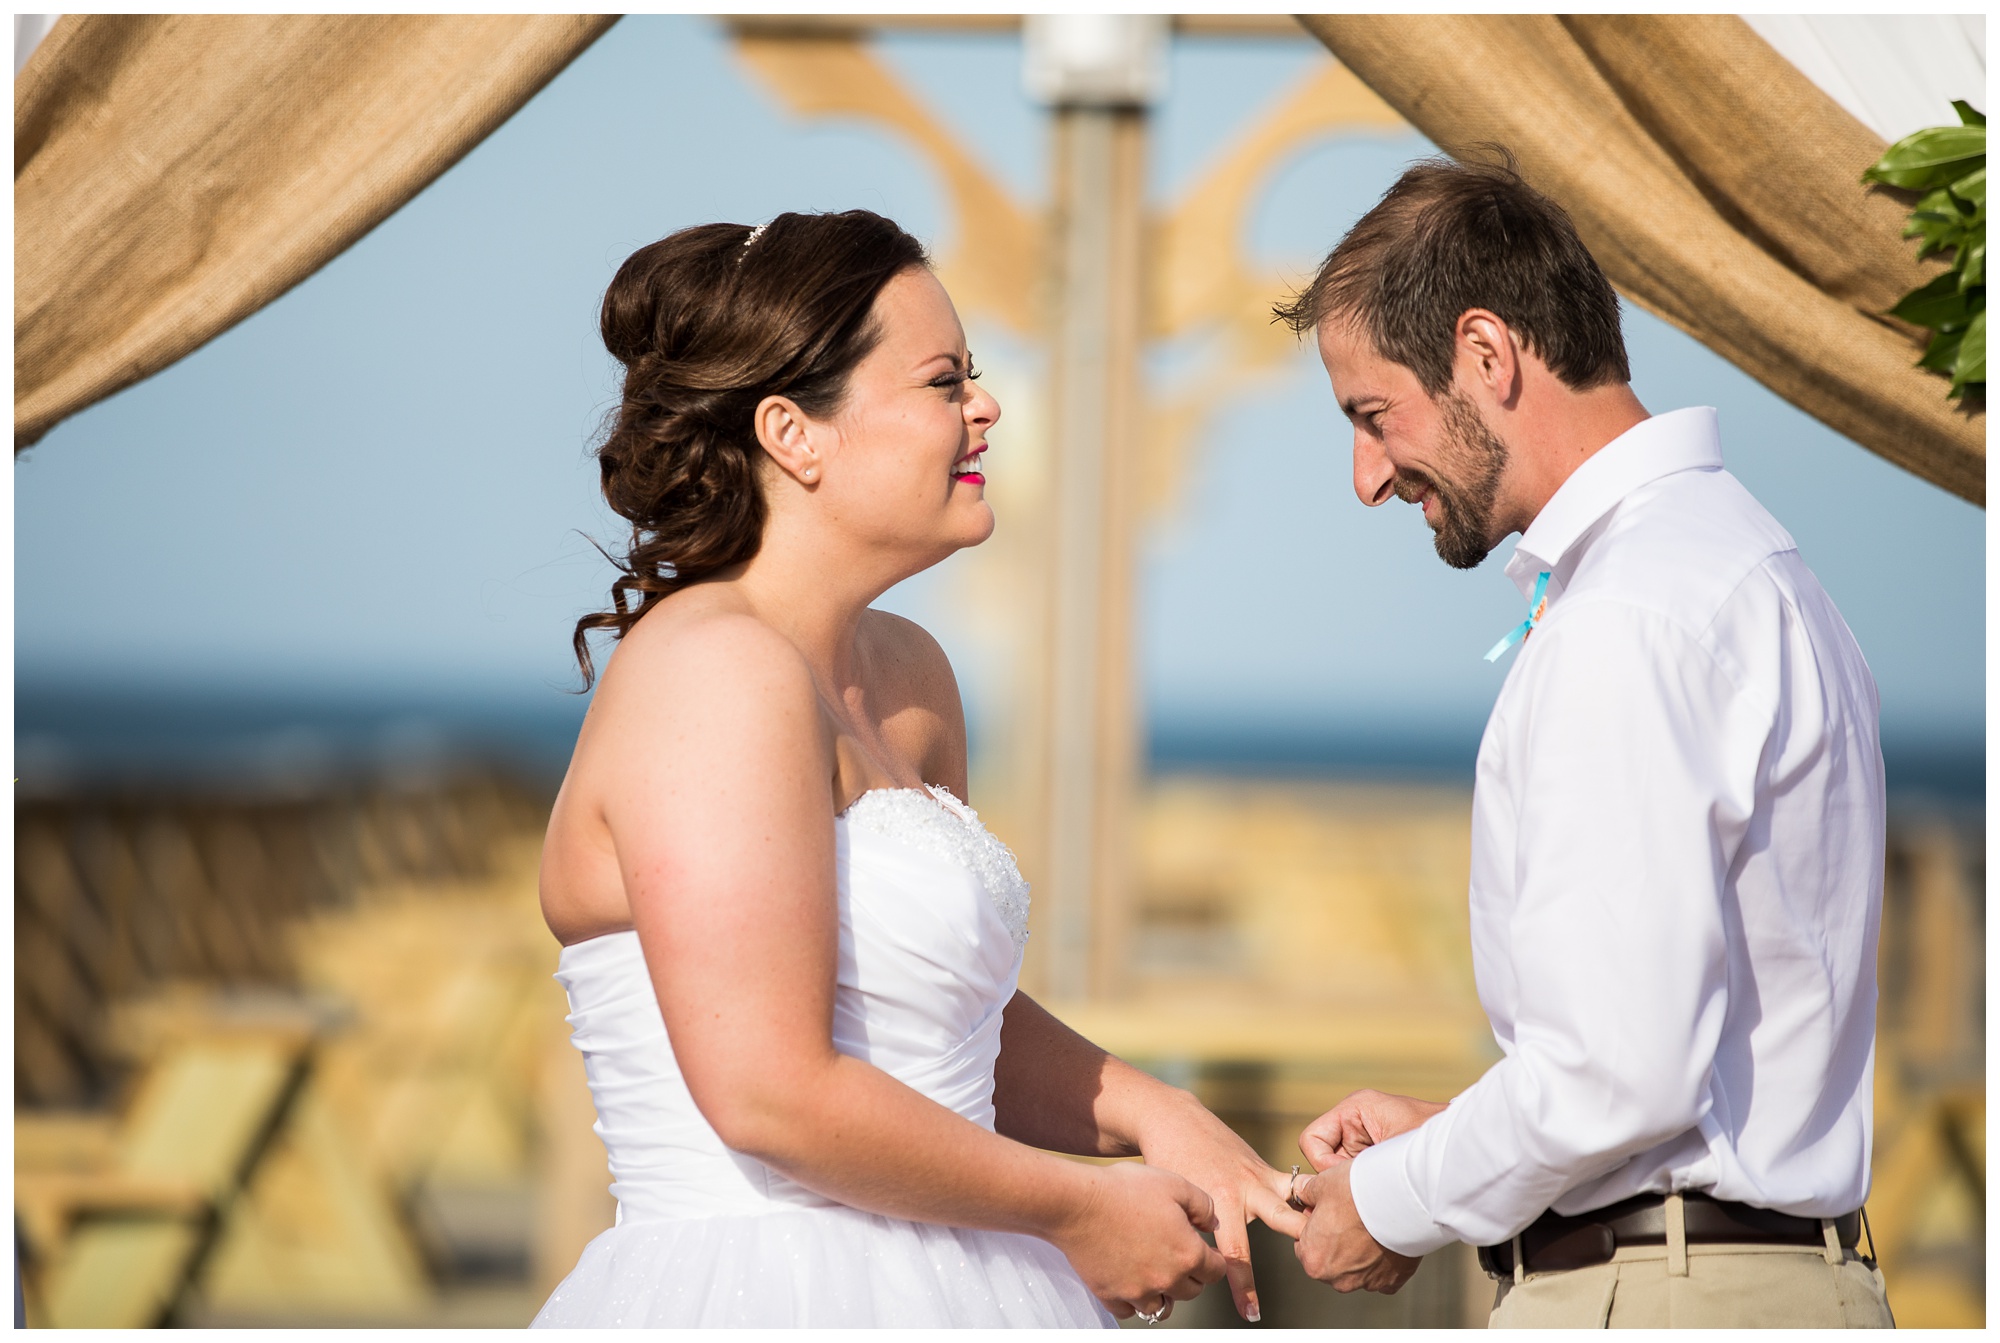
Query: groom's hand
x=1359 y=1122
x=1336 y=1248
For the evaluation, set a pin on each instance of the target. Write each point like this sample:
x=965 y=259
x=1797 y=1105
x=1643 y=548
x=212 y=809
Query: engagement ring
x=1292 y=1201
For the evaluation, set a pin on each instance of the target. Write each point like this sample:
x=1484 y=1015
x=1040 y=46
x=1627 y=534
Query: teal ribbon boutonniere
x=1522 y=630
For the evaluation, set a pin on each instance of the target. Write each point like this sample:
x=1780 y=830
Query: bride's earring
x=806 y=474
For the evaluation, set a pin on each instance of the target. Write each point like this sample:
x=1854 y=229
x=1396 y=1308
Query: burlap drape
x=173 y=174
x=1717 y=186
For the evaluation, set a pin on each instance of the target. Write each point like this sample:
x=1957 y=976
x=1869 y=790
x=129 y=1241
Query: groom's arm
x=1055 y=1090
x=1641 y=759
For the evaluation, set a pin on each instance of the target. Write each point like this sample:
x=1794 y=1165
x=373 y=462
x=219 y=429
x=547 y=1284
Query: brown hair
x=708 y=322
x=1449 y=236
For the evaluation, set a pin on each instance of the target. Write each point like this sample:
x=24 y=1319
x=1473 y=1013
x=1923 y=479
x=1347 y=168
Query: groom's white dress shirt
x=1676 y=873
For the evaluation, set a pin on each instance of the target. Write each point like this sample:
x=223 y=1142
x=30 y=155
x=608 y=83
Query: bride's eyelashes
x=955 y=379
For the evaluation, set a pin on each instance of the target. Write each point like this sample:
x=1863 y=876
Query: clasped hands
x=1333 y=1245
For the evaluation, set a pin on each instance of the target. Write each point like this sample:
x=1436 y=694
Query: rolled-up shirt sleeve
x=1634 y=754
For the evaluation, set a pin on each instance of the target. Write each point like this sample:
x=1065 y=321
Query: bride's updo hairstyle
x=708 y=322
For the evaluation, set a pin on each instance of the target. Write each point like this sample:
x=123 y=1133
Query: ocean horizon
x=70 y=736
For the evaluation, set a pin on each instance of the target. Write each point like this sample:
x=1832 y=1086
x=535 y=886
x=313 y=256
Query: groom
x=1677 y=824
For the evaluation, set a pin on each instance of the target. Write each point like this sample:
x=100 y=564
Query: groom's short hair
x=1450 y=236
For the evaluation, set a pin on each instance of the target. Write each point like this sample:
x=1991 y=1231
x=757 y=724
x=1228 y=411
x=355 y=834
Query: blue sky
x=380 y=485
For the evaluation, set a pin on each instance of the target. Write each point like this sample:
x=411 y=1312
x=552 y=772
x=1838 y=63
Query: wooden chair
x=119 y=1215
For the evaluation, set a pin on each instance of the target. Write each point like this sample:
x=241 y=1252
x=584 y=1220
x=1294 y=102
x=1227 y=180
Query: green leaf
x=1970 y=366
x=1938 y=304
x=1941 y=202
x=1937 y=144
x=1933 y=223
x=1924 y=178
x=1942 y=355
x=1931 y=157
x=1971 y=189
x=1947 y=164
x=1938 y=233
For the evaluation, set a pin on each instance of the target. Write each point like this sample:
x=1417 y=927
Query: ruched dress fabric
x=933 y=917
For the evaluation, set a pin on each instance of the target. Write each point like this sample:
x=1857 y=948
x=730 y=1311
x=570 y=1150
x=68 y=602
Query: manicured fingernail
x=1255 y=1314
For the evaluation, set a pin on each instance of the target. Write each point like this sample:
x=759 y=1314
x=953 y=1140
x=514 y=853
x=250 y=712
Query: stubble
x=1467 y=486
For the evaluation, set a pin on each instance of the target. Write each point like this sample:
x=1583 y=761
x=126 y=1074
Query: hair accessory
x=755 y=234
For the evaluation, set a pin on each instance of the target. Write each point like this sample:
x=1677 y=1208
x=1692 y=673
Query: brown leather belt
x=1553 y=1243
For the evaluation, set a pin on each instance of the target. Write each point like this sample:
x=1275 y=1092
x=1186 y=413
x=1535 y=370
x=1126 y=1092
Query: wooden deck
x=394 y=1130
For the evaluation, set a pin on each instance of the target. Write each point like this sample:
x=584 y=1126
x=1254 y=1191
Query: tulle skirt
x=819 y=1267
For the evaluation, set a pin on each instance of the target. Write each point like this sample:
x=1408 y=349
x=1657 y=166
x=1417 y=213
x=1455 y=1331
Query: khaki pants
x=1724 y=1286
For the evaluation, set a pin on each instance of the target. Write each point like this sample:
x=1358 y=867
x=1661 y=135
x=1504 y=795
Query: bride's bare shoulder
x=713 y=655
x=915 y=694
x=908 y=662
x=696 y=706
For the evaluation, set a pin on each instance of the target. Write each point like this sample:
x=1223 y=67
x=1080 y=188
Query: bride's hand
x=1192 y=1142
x=1133 y=1240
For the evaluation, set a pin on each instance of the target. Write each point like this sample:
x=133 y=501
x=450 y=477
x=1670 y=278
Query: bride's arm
x=1054 y=1089
x=716 y=790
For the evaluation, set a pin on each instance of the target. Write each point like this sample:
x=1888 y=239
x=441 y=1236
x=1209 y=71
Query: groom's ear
x=1487 y=358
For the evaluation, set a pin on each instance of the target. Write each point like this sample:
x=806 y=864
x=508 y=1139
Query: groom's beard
x=1465 y=502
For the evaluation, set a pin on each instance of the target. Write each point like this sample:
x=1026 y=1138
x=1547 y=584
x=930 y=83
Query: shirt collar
x=1680 y=440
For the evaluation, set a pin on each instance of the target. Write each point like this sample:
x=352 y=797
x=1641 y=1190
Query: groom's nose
x=1374 y=473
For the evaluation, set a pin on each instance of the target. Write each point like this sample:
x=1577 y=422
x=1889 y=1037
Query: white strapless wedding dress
x=933 y=916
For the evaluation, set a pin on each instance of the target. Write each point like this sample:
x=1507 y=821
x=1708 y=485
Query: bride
x=789 y=945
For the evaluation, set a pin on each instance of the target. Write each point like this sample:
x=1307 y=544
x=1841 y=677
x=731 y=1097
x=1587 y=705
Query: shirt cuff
x=1387 y=1202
